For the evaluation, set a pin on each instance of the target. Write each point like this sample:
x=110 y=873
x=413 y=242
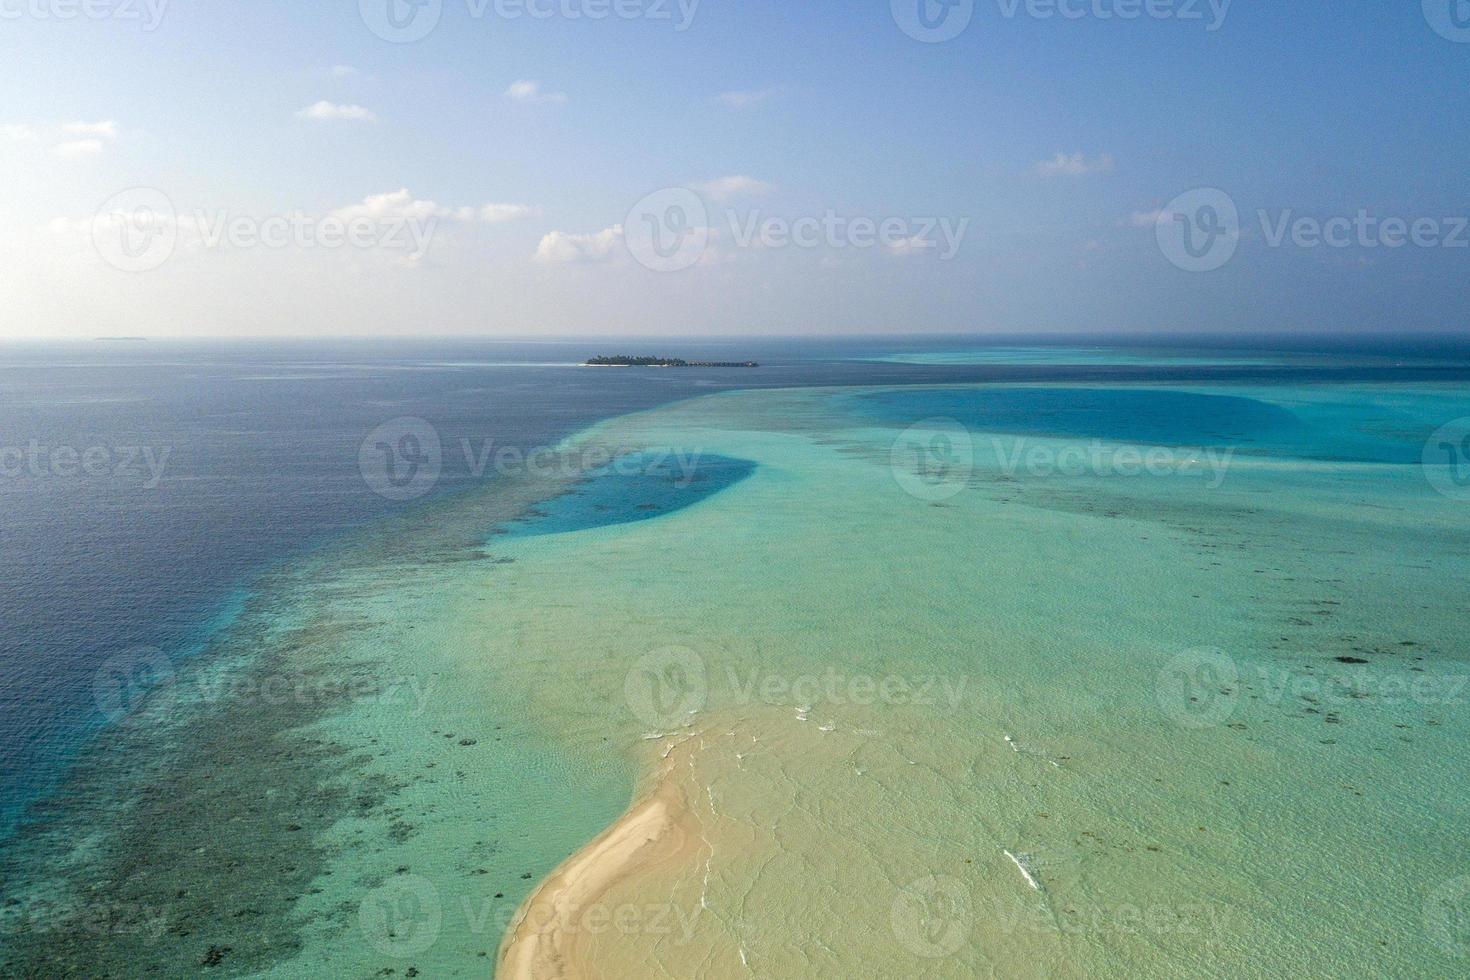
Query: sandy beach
x=546 y=939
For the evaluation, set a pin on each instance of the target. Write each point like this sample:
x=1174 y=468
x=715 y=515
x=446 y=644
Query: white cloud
x=402 y=204
x=559 y=246
x=92 y=141
x=105 y=129
x=91 y=138
x=67 y=229
x=76 y=233
x=201 y=229
x=394 y=204
x=75 y=149
x=342 y=71
x=494 y=214
x=747 y=99
x=529 y=91
x=725 y=188
x=1144 y=219
x=1074 y=165
x=324 y=111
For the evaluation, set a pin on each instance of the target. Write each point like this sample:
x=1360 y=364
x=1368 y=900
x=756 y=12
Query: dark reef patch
x=183 y=839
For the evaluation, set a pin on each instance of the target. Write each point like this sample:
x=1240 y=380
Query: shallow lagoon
x=1090 y=725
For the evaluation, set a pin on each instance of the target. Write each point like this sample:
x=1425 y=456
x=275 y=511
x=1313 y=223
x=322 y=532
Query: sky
x=526 y=168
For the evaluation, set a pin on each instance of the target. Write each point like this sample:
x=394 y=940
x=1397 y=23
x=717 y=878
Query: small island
x=623 y=360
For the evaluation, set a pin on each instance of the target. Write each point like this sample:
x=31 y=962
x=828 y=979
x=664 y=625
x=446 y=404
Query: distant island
x=622 y=360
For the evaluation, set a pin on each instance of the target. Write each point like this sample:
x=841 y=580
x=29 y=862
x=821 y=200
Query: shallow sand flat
x=546 y=939
x=1075 y=824
x=1033 y=621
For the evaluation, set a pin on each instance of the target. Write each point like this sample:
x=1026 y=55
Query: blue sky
x=1056 y=144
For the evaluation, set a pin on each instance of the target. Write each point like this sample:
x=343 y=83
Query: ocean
x=216 y=461
x=1092 y=657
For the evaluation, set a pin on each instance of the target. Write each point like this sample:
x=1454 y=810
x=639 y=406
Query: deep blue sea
x=143 y=485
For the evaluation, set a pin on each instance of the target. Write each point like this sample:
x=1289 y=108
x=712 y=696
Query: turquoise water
x=1278 y=351
x=1071 y=355
x=1198 y=715
x=944 y=704
x=223 y=460
x=1348 y=429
